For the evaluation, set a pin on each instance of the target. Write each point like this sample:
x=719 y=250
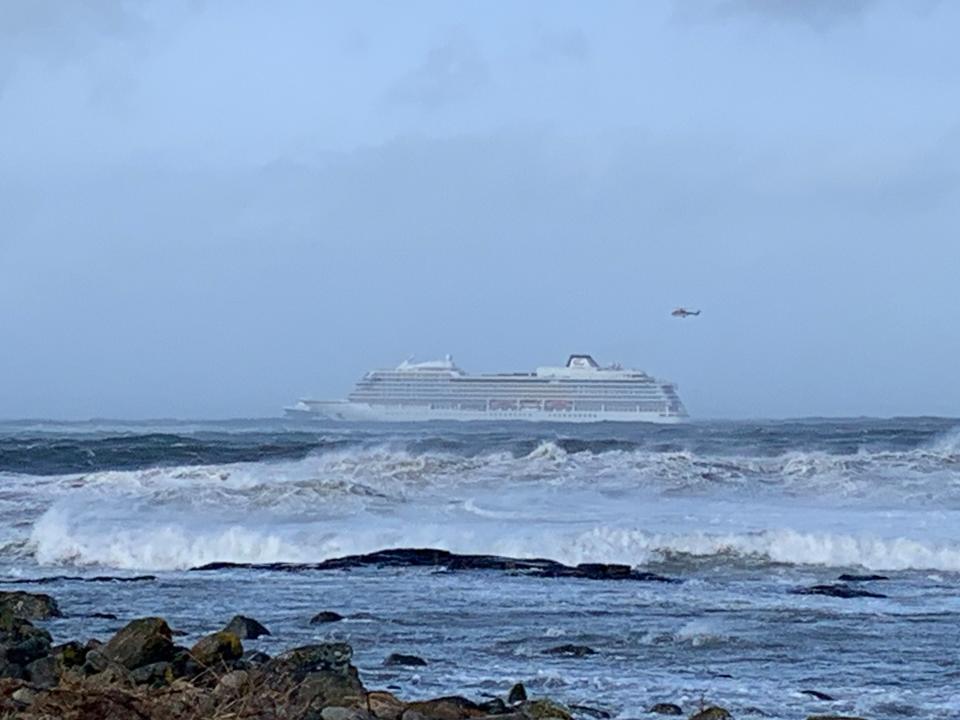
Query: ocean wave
x=62 y=538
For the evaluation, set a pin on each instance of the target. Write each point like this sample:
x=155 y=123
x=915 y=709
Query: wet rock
x=140 y=642
x=216 y=649
x=69 y=654
x=20 y=642
x=543 y=709
x=861 y=578
x=254 y=658
x=496 y=706
x=712 y=713
x=446 y=708
x=837 y=590
x=385 y=706
x=326 y=616
x=12 y=671
x=246 y=628
x=817 y=694
x=518 y=694
x=155 y=674
x=323 y=657
x=103 y=616
x=666 y=709
x=43 y=672
x=586 y=710
x=428 y=557
x=834 y=717
x=28 y=606
x=399 y=659
x=570 y=651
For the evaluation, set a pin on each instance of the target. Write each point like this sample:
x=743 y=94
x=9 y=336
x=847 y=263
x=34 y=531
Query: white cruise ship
x=579 y=392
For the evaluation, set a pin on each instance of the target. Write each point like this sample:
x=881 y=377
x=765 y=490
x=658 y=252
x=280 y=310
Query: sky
x=211 y=208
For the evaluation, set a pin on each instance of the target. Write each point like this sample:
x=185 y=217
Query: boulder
x=28 y=606
x=323 y=657
x=69 y=654
x=44 y=672
x=232 y=683
x=399 y=659
x=496 y=706
x=544 y=709
x=20 y=642
x=666 y=709
x=246 y=628
x=712 y=713
x=570 y=651
x=517 y=694
x=220 y=647
x=24 y=696
x=326 y=616
x=597 y=713
x=833 y=717
x=837 y=590
x=385 y=705
x=446 y=708
x=155 y=675
x=818 y=695
x=141 y=642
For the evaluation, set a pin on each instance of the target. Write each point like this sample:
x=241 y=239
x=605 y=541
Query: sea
x=113 y=519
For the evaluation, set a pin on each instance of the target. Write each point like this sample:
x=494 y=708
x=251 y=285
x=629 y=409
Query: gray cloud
x=816 y=14
x=450 y=72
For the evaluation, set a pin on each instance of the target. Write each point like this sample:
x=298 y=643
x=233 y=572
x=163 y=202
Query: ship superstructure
x=580 y=391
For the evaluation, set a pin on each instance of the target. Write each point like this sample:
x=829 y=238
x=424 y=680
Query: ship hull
x=346 y=411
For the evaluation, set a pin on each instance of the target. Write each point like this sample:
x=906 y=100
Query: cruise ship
x=580 y=391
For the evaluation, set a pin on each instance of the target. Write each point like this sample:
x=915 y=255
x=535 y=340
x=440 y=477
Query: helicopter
x=683 y=312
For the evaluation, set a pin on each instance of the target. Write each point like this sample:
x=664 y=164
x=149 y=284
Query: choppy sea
x=742 y=513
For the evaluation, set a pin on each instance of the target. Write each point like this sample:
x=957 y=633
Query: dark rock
x=95 y=662
x=156 y=674
x=861 y=578
x=246 y=628
x=216 y=649
x=570 y=651
x=590 y=712
x=28 y=606
x=518 y=694
x=442 y=559
x=712 y=713
x=325 y=657
x=76 y=578
x=69 y=654
x=666 y=709
x=395 y=659
x=833 y=717
x=817 y=694
x=140 y=642
x=837 y=590
x=20 y=642
x=446 y=708
x=103 y=616
x=183 y=664
x=545 y=709
x=13 y=671
x=44 y=672
x=326 y=616
x=254 y=658
x=496 y=706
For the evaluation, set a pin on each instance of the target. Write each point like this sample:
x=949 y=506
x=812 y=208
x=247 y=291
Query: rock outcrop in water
x=838 y=590
x=141 y=673
x=443 y=559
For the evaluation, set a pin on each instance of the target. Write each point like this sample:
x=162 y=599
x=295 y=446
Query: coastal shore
x=142 y=672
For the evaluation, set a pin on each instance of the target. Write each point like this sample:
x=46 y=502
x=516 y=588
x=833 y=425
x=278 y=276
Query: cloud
x=568 y=45
x=815 y=14
x=449 y=73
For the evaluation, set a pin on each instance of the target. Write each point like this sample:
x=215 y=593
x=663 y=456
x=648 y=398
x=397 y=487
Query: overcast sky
x=210 y=208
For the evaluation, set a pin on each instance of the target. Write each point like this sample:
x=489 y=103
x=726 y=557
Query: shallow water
x=741 y=512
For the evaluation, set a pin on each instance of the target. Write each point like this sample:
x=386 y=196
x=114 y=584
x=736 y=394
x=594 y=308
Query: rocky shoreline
x=141 y=672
